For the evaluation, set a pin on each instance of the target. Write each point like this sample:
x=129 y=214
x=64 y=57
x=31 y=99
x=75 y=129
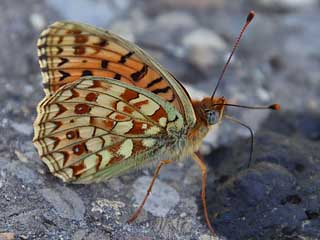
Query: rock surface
x=278 y=196
x=278 y=60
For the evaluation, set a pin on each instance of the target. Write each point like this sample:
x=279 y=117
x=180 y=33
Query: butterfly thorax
x=208 y=115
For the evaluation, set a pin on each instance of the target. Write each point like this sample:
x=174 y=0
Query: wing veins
x=125 y=136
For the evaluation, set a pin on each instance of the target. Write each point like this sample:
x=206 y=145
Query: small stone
x=79 y=234
x=37 y=21
x=26 y=174
x=21 y=156
x=23 y=128
x=98 y=235
x=100 y=204
x=209 y=237
x=7 y=236
x=66 y=202
x=183 y=215
x=162 y=199
x=204 y=37
x=204 y=47
x=175 y=20
x=263 y=94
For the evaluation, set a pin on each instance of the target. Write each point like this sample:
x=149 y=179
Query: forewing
x=68 y=51
x=97 y=128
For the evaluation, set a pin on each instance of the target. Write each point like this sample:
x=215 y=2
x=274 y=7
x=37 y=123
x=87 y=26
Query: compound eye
x=212 y=117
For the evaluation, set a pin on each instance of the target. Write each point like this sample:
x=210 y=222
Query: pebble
x=98 y=235
x=79 y=234
x=100 y=204
x=204 y=37
x=21 y=156
x=26 y=174
x=37 y=21
x=204 y=47
x=176 y=19
x=7 y=236
x=209 y=237
x=162 y=199
x=65 y=201
x=24 y=128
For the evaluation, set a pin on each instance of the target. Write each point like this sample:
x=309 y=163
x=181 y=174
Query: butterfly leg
x=156 y=173
x=196 y=156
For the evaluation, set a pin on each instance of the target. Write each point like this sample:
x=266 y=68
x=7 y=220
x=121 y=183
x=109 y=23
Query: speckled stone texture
x=277 y=197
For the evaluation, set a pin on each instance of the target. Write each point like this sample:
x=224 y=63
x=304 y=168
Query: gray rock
x=37 y=21
x=275 y=197
x=24 y=128
x=174 y=20
x=204 y=47
x=162 y=199
x=65 y=202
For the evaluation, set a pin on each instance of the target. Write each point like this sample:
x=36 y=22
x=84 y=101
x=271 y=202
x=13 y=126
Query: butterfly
x=111 y=108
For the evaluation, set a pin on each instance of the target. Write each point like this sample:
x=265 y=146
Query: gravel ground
x=277 y=197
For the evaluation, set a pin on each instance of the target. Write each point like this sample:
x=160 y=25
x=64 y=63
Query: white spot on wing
x=152 y=131
x=148 y=108
x=122 y=127
x=94 y=144
x=126 y=148
x=86 y=132
x=90 y=161
x=65 y=95
x=100 y=112
x=148 y=142
x=163 y=121
x=106 y=157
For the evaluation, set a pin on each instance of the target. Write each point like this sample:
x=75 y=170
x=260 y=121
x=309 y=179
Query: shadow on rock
x=278 y=197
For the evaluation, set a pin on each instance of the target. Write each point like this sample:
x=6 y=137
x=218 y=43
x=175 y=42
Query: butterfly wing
x=68 y=51
x=97 y=128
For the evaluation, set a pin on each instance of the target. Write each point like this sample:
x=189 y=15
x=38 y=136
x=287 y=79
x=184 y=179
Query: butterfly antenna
x=275 y=106
x=251 y=133
x=236 y=44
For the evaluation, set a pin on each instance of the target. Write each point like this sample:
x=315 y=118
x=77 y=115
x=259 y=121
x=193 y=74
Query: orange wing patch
x=69 y=51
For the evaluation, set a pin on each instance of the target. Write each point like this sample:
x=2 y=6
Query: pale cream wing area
x=97 y=128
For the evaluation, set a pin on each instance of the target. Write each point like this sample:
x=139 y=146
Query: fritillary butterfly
x=110 y=108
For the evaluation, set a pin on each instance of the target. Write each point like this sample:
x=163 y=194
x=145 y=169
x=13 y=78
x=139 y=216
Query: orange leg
x=201 y=164
x=137 y=212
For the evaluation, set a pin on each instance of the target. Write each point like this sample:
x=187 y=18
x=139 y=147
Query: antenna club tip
x=275 y=106
x=250 y=16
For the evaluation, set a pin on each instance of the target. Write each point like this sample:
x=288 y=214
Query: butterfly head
x=213 y=109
